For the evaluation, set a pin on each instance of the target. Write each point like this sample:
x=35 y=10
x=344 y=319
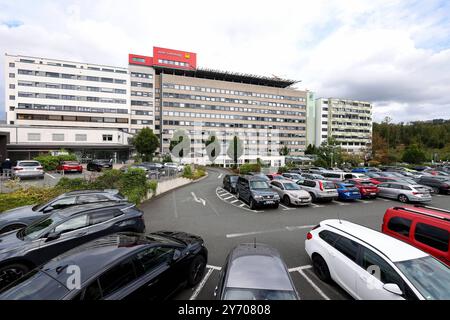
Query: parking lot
x=223 y=221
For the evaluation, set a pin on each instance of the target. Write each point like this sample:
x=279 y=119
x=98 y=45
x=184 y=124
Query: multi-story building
x=349 y=122
x=266 y=113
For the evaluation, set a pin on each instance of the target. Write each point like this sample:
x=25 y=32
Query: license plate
x=373 y=193
x=269 y=202
x=73 y=169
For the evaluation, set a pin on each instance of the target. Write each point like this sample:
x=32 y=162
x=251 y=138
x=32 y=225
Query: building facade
x=349 y=122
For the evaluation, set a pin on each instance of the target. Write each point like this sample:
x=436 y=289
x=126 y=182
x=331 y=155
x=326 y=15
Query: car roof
x=80 y=192
x=98 y=254
x=392 y=248
x=72 y=210
x=427 y=211
x=257 y=266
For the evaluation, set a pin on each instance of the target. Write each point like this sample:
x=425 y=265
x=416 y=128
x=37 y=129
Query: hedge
x=249 y=167
x=50 y=162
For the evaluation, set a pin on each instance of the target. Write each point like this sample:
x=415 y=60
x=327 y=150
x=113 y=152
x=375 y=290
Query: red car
x=365 y=187
x=376 y=181
x=70 y=166
x=424 y=227
x=276 y=176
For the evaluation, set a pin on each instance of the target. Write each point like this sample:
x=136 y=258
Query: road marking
x=201 y=284
x=313 y=284
x=175 y=210
x=438 y=195
x=214 y=267
x=236 y=200
x=316 y=205
x=229 y=197
x=50 y=175
x=220 y=176
x=308 y=266
x=364 y=201
x=286 y=208
x=242 y=205
x=199 y=200
x=386 y=200
x=288 y=228
x=340 y=203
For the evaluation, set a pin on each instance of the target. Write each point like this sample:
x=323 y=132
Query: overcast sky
x=393 y=53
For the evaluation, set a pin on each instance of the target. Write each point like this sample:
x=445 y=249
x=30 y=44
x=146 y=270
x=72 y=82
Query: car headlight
x=276 y=196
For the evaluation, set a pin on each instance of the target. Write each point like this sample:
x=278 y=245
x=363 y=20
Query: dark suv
x=440 y=184
x=98 y=165
x=256 y=192
x=21 y=251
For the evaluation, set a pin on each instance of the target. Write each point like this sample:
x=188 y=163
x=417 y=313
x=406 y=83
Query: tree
x=146 y=143
x=235 y=149
x=414 y=155
x=311 y=149
x=284 y=151
x=329 y=153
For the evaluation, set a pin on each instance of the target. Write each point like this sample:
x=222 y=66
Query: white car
x=174 y=166
x=370 y=265
x=290 y=192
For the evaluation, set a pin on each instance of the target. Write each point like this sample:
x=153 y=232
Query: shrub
x=67 y=184
x=28 y=196
x=283 y=169
x=374 y=163
x=198 y=173
x=110 y=179
x=134 y=185
x=187 y=172
x=50 y=162
x=249 y=167
x=153 y=185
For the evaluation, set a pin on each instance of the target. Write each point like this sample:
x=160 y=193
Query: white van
x=341 y=175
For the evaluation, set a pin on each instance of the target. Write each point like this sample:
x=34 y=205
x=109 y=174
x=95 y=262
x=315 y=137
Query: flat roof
x=213 y=74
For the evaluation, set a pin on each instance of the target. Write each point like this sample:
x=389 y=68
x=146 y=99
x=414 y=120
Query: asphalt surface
x=205 y=209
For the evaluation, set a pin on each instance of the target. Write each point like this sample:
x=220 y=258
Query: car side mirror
x=176 y=255
x=52 y=236
x=48 y=209
x=393 y=288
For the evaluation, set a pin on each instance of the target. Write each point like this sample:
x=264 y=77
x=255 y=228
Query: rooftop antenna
x=339 y=217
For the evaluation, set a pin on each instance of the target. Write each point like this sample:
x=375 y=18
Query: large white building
x=349 y=122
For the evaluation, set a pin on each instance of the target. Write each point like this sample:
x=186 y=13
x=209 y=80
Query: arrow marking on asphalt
x=199 y=200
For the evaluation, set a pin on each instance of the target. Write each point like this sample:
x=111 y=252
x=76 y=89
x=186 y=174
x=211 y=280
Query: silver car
x=28 y=169
x=319 y=189
x=23 y=216
x=290 y=193
x=404 y=192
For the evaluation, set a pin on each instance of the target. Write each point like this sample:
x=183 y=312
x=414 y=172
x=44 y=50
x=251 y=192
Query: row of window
x=228 y=116
x=229 y=100
x=348 y=103
x=334 y=109
x=141 y=103
x=79 y=137
x=141 y=94
x=351 y=117
x=46 y=117
x=141 y=121
x=230 y=92
x=233 y=109
x=67 y=76
x=21 y=83
x=174 y=63
x=69 y=97
x=229 y=125
x=66 y=65
x=69 y=108
x=354 y=124
x=142 y=75
x=350 y=130
x=262 y=134
x=141 y=84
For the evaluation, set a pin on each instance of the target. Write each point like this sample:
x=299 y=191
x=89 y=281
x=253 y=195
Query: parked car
x=370 y=265
x=69 y=166
x=293 y=176
x=347 y=191
x=316 y=170
x=255 y=271
x=439 y=184
x=435 y=172
x=313 y=176
x=99 y=165
x=23 y=216
x=119 y=266
x=414 y=181
x=137 y=166
x=404 y=192
x=173 y=166
x=275 y=176
x=426 y=228
x=378 y=180
x=256 y=192
x=366 y=188
x=291 y=193
x=260 y=175
x=23 y=250
x=335 y=175
x=27 y=169
x=229 y=182
x=319 y=189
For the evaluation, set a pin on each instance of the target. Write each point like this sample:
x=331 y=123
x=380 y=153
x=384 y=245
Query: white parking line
x=214 y=267
x=340 y=203
x=242 y=205
x=316 y=205
x=201 y=284
x=313 y=284
x=50 y=175
x=438 y=195
x=364 y=201
x=236 y=200
x=300 y=268
x=220 y=176
x=229 y=197
x=286 y=208
x=287 y=228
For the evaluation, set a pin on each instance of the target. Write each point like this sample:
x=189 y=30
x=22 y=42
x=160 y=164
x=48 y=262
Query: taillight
x=321 y=185
x=345 y=190
x=17 y=168
x=445 y=185
x=309 y=236
x=414 y=193
x=39 y=168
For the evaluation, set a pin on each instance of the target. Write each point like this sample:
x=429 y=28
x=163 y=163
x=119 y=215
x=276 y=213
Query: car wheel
x=11 y=228
x=321 y=268
x=436 y=190
x=402 y=198
x=287 y=200
x=252 y=204
x=313 y=197
x=11 y=273
x=196 y=271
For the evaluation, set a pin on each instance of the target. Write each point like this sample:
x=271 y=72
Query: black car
x=440 y=184
x=254 y=271
x=118 y=266
x=23 y=250
x=229 y=182
x=99 y=165
x=256 y=192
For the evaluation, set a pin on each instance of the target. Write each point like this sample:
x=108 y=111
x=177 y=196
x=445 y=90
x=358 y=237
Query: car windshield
x=258 y=294
x=38 y=229
x=233 y=178
x=295 y=176
x=29 y=164
x=259 y=185
x=429 y=276
x=329 y=185
x=291 y=186
x=71 y=163
x=366 y=183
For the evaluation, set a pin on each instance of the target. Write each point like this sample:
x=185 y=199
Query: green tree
x=414 y=155
x=329 y=153
x=235 y=149
x=146 y=143
x=311 y=149
x=284 y=151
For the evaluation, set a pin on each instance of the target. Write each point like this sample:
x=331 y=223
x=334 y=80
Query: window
x=117 y=277
x=12 y=97
x=34 y=136
x=432 y=236
x=72 y=224
x=347 y=247
x=107 y=137
x=81 y=136
x=102 y=216
x=58 y=136
x=151 y=258
x=90 y=198
x=12 y=64
x=329 y=237
x=12 y=75
x=400 y=226
x=93 y=291
x=12 y=86
x=62 y=203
